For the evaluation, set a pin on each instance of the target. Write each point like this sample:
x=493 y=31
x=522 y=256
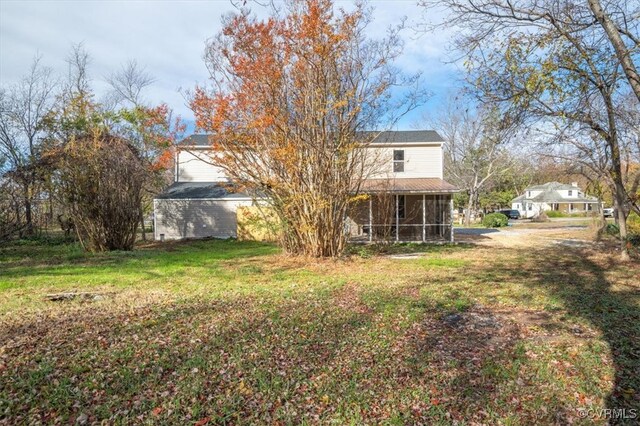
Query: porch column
x=397 y=218
x=424 y=218
x=370 y=218
x=451 y=216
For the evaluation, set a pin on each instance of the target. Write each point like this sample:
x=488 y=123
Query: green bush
x=612 y=229
x=556 y=213
x=495 y=220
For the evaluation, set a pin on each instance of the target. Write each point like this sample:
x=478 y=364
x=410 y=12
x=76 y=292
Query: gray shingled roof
x=408 y=136
x=196 y=140
x=555 y=197
x=202 y=190
x=402 y=136
x=551 y=186
x=550 y=194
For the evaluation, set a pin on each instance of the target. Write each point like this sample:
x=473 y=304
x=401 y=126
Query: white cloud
x=168 y=38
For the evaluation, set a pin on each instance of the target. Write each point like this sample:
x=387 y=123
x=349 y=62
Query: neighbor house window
x=570 y=193
x=528 y=194
x=401 y=206
x=398 y=160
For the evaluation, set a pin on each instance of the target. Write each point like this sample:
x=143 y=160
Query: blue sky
x=168 y=38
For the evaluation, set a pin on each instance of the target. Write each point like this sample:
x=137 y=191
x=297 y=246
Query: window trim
x=398 y=162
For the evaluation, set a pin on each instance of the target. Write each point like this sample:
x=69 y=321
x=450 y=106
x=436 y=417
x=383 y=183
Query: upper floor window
x=528 y=194
x=570 y=193
x=398 y=160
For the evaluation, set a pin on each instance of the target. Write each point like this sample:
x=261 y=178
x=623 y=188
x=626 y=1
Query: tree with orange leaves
x=110 y=158
x=290 y=107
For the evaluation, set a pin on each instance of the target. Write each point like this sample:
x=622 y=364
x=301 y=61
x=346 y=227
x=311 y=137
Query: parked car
x=608 y=212
x=511 y=214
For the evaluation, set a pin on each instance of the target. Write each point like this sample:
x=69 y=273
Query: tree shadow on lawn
x=310 y=358
x=581 y=282
x=588 y=285
x=594 y=287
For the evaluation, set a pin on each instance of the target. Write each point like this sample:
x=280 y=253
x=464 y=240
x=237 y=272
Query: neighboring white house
x=554 y=196
x=202 y=203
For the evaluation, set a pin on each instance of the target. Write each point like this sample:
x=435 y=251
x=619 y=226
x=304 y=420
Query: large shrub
x=102 y=182
x=495 y=220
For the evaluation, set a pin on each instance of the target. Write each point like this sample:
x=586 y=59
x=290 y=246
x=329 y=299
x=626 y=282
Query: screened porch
x=402 y=217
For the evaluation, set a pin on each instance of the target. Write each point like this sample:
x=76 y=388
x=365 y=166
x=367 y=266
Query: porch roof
x=409 y=185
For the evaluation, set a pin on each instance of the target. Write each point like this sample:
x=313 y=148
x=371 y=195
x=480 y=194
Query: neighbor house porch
x=403 y=210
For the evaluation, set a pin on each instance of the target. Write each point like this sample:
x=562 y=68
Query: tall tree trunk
x=621 y=215
x=144 y=232
x=622 y=52
x=467 y=218
x=28 y=216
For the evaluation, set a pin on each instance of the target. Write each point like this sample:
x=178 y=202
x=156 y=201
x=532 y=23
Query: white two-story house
x=554 y=196
x=408 y=198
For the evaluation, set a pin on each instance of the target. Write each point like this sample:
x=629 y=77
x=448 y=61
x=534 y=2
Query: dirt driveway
x=567 y=233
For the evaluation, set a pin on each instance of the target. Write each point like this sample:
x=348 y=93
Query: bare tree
x=128 y=84
x=24 y=108
x=78 y=82
x=127 y=88
x=620 y=25
x=545 y=63
x=475 y=149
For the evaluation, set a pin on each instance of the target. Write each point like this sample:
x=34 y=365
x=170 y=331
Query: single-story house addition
x=409 y=199
x=554 y=196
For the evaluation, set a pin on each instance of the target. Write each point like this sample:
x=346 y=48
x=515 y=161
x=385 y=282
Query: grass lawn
x=226 y=332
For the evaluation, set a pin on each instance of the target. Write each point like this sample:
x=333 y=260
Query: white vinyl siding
x=195 y=166
x=419 y=161
x=178 y=219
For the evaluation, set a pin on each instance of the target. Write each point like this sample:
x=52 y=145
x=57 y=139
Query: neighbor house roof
x=550 y=194
x=408 y=185
x=389 y=137
x=552 y=186
x=202 y=190
x=556 y=197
